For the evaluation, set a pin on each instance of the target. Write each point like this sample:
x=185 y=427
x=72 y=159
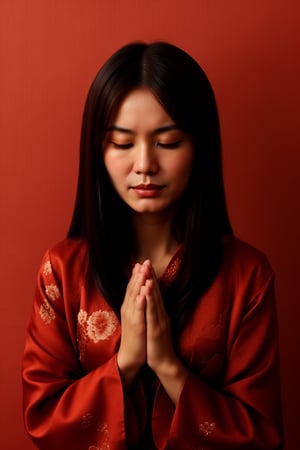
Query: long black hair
x=102 y=218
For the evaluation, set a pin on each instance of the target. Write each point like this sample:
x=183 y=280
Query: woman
x=153 y=327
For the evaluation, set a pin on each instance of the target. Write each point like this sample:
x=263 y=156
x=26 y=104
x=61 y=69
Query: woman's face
x=148 y=158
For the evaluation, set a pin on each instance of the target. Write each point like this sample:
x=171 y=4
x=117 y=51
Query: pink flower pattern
x=206 y=428
x=46 y=312
x=52 y=292
x=96 y=327
x=47 y=268
x=101 y=325
x=103 y=429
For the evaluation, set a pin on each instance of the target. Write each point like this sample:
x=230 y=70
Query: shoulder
x=69 y=248
x=67 y=255
x=244 y=253
x=246 y=261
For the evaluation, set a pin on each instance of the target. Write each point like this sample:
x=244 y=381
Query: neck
x=154 y=240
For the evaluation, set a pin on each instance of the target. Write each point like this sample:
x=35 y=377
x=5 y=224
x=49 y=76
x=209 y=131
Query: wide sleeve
x=244 y=411
x=66 y=407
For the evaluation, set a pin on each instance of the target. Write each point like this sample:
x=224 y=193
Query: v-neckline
x=169 y=273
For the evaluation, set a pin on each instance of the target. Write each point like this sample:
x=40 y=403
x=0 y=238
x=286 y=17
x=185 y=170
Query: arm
x=63 y=406
x=244 y=412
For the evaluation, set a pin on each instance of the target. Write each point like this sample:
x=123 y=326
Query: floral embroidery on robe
x=72 y=390
x=99 y=326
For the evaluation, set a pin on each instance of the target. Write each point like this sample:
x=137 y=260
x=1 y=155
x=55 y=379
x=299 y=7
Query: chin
x=153 y=209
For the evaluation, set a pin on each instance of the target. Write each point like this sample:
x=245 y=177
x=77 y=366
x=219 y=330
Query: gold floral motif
x=103 y=429
x=81 y=333
x=46 y=312
x=52 y=292
x=170 y=272
x=206 y=428
x=99 y=326
x=47 y=269
x=87 y=420
x=82 y=317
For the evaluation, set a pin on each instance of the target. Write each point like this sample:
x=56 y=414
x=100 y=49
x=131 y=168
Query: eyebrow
x=159 y=130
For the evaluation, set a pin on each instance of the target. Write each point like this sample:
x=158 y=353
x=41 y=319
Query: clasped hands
x=146 y=334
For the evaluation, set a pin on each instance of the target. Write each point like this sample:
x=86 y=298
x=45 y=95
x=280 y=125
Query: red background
x=50 y=52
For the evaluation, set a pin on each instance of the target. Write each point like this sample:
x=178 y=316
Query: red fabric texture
x=73 y=395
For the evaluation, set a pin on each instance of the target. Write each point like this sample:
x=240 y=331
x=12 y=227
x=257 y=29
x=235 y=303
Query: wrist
x=172 y=376
x=172 y=369
x=127 y=371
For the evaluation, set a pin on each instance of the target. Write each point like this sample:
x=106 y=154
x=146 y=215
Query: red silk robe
x=73 y=395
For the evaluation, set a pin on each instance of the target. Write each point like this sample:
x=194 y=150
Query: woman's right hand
x=132 y=351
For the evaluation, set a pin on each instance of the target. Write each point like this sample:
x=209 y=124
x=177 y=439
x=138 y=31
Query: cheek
x=117 y=170
x=109 y=167
x=113 y=166
x=182 y=167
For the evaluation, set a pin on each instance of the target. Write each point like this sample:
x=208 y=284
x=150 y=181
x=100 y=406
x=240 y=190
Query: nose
x=145 y=159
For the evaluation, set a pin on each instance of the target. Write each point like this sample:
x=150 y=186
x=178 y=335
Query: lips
x=148 y=190
x=148 y=187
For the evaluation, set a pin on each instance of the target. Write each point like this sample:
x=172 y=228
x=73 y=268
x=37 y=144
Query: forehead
x=140 y=109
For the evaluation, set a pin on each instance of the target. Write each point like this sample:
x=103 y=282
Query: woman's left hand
x=161 y=355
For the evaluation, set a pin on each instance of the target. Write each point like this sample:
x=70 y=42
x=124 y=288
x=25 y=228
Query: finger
x=147 y=268
x=153 y=313
x=135 y=283
x=156 y=296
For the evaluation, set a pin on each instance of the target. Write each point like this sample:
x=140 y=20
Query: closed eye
x=122 y=146
x=168 y=145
